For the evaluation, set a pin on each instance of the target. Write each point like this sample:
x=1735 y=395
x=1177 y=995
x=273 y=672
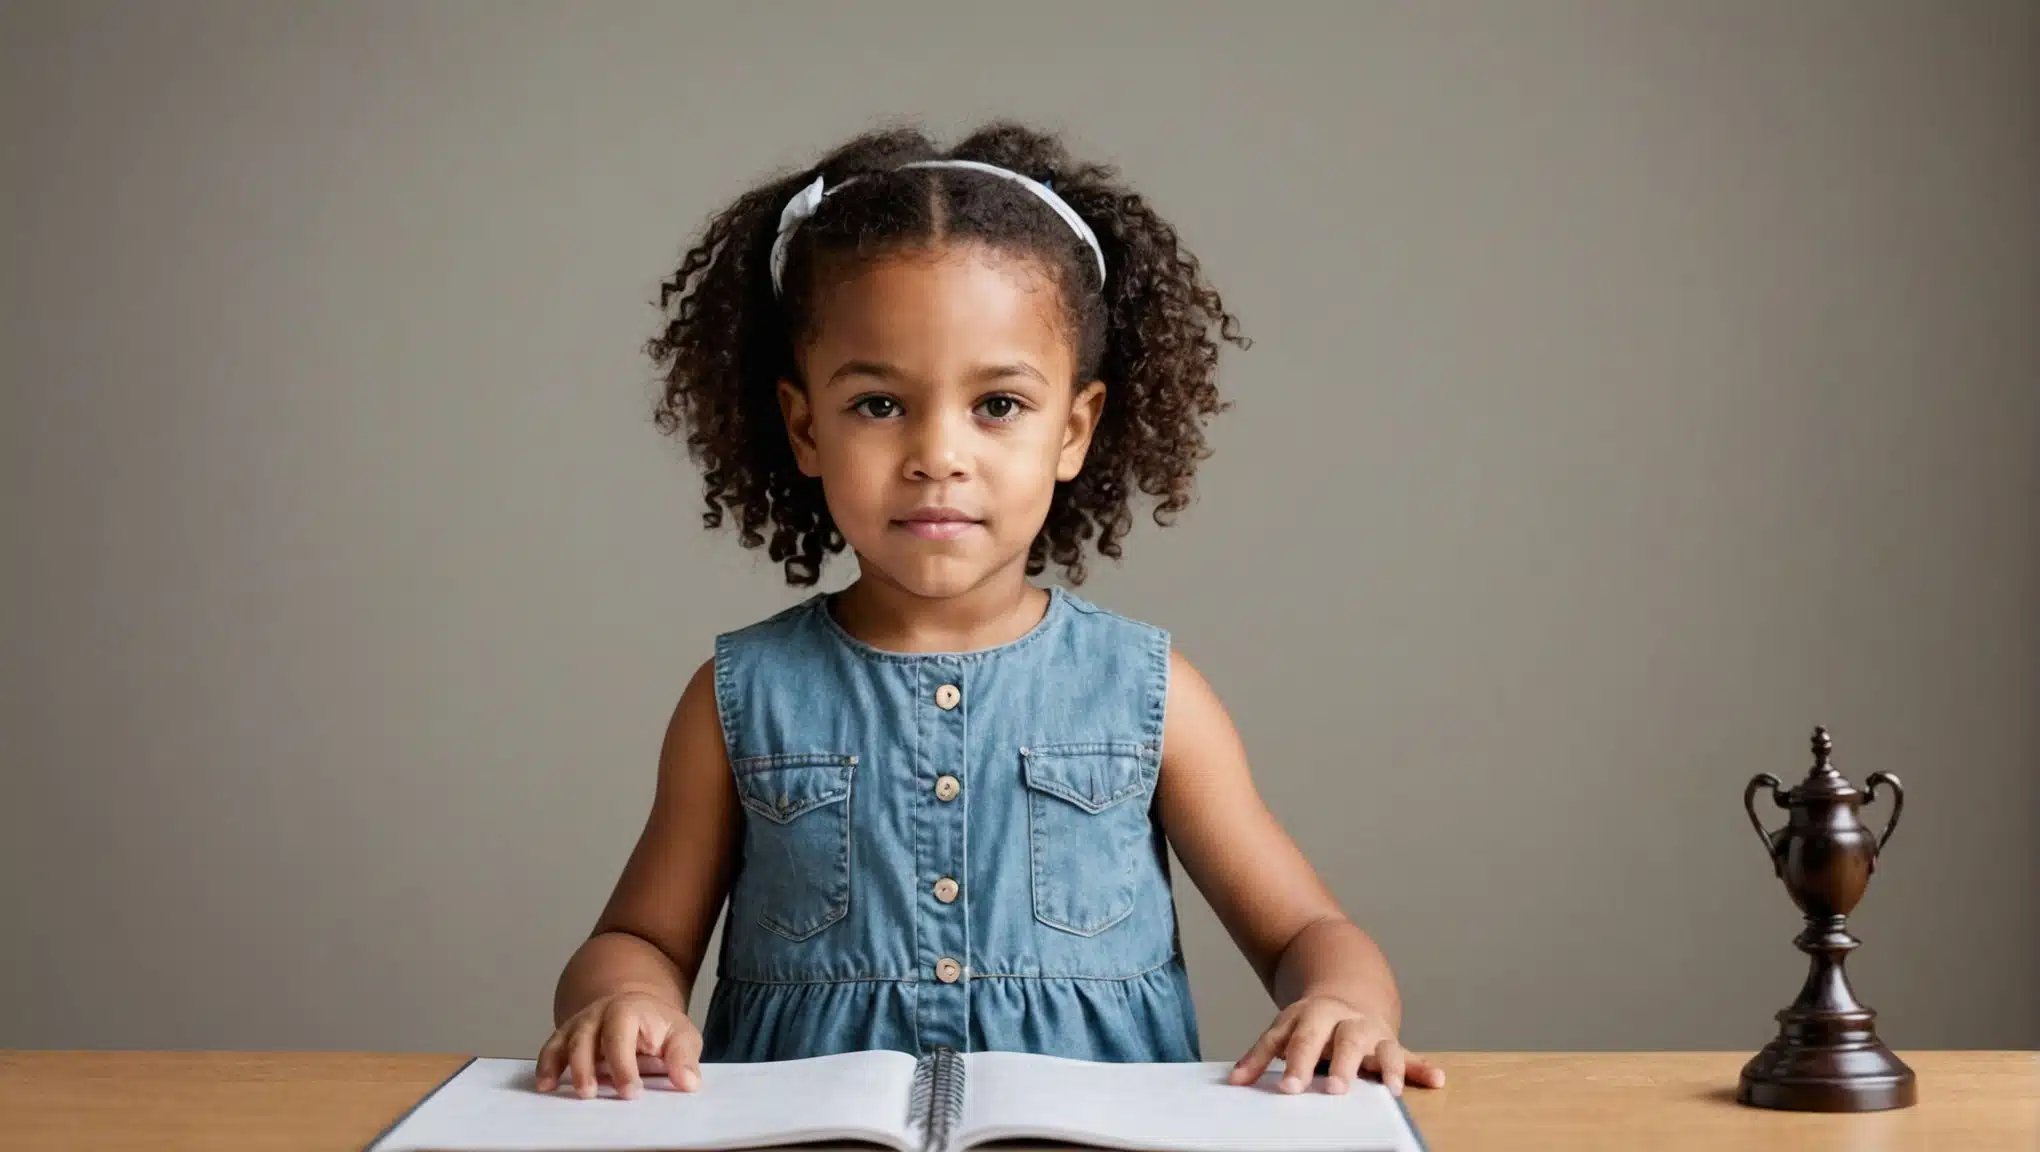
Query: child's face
x=940 y=382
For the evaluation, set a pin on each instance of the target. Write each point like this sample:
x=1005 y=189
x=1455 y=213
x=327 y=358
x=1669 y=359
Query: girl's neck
x=890 y=618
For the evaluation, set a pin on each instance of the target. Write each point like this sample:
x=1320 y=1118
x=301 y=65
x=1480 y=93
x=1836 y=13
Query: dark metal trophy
x=1826 y=1057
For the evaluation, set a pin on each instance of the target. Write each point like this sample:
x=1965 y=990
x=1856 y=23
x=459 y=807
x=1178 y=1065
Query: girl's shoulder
x=785 y=621
x=1106 y=621
x=1090 y=608
x=785 y=635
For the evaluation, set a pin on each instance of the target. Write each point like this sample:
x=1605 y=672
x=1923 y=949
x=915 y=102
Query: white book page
x=492 y=1106
x=1178 y=1107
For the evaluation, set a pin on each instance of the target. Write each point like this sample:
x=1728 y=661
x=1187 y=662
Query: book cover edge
x=1404 y=1107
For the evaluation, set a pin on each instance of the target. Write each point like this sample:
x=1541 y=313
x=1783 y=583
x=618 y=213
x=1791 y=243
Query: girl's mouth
x=938 y=529
x=938 y=523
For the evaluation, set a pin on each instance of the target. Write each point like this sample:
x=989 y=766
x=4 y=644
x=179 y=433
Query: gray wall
x=1637 y=386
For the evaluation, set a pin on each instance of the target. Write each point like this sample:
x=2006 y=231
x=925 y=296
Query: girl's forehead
x=939 y=306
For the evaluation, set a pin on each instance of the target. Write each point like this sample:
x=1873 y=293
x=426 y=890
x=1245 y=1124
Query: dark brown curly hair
x=1146 y=331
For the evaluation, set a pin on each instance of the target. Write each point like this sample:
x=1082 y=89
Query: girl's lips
x=938 y=529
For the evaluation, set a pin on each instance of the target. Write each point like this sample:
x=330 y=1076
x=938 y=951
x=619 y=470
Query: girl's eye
x=1001 y=408
x=877 y=407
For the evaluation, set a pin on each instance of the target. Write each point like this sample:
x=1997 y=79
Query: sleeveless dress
x=948 y=849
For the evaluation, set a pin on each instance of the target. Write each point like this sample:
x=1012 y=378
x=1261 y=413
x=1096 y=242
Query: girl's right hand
x=617 y=1030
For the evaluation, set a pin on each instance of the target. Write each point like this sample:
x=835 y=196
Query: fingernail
x=1395 y=1086
x=1335 y=1085
x=1291 y=1084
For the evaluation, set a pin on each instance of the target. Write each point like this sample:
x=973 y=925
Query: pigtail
x=717 y=331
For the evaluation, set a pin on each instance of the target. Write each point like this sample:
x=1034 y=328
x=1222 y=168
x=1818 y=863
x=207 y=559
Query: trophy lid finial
x=1823 y=781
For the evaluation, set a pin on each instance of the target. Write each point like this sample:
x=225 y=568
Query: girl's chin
x=925 y=572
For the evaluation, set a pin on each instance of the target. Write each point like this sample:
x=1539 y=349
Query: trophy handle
x=1749 y=796
x=1897 y=802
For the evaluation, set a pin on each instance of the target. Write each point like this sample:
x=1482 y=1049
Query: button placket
x=943 y=922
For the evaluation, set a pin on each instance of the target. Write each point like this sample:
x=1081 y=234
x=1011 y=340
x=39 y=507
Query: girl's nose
x=936 y=453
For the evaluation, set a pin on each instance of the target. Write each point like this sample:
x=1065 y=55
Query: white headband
x=804 y=202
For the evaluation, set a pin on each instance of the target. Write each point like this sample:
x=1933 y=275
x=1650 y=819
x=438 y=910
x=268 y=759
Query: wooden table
x=1657 y=1101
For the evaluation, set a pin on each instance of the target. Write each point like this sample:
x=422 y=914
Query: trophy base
x=1856 y=1077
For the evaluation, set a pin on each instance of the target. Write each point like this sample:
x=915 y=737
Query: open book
x=943 y=1102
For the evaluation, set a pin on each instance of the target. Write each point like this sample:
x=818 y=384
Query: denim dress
x=948 y=849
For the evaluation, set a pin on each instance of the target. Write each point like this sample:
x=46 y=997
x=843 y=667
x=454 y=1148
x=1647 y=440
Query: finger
x=1423 y=1072
x=1391 y=1056
x=619 y=1049
x=682 y=1054
x=1350 y=1042
x=581 y=1058
x=552 y=1060
x=1255 y=1062
x=1300 y=1056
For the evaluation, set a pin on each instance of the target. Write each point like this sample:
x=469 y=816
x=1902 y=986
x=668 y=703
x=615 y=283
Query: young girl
x=939 y=802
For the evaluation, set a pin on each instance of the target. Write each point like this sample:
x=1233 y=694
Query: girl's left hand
x=1326 y=1027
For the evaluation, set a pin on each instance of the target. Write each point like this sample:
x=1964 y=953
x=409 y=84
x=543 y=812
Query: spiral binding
x=936 y=1100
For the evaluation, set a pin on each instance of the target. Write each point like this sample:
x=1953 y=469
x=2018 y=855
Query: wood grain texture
x=1662 y=1101
x=225 y=1101
x=1680 y=1101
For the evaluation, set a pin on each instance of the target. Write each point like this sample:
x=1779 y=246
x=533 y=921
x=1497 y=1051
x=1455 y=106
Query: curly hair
x=729 y=339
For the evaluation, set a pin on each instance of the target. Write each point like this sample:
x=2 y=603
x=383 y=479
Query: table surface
x=1662 y=1101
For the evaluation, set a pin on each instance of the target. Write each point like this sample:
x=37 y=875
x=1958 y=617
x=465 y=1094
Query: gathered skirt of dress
x=1145 y=1018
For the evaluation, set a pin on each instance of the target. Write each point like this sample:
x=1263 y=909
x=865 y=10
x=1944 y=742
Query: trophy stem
x=1827 y=1056
x=1826 y=995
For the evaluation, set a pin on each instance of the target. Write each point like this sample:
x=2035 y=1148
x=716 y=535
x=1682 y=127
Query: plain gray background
x=1637 y=385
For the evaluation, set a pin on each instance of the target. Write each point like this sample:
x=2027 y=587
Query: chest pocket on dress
x=797 y=843
x=1087 y=825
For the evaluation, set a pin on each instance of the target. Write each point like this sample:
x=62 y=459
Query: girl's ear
x=1084 y=413
x=800 y=427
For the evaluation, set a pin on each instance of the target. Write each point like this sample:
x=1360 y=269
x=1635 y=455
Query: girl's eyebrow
x=983 y=373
